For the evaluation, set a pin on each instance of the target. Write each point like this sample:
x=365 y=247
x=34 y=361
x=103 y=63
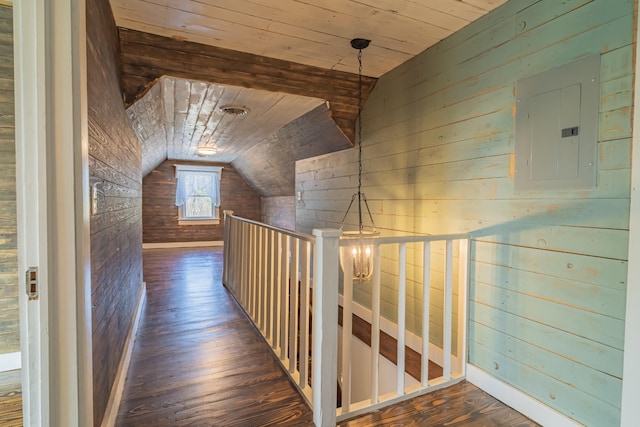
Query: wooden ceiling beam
x=146 y=57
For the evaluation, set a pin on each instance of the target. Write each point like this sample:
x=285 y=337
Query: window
x=198 y=194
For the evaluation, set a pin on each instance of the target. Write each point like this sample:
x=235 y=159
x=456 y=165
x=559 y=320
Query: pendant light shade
x=357 y=258
x=359 y=254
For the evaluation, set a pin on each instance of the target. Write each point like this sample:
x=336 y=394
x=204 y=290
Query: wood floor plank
x=11 y=398
x=198 y=361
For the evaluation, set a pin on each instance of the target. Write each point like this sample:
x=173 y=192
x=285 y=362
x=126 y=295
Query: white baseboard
x=10 y=361
x=111 y=413
x=521 y=402
x=202 y=244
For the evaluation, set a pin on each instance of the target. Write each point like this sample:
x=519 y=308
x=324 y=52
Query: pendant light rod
x=359 y=44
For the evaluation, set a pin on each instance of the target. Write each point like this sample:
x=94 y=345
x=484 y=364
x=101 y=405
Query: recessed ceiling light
x=204 y=151
x=234 y=110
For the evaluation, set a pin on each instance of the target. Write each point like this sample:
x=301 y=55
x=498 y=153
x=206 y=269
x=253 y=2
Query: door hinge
x=32 y=283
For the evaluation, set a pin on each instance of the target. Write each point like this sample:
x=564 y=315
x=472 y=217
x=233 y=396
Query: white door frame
x=53 y=210
x=28 y=23
x=631 y=371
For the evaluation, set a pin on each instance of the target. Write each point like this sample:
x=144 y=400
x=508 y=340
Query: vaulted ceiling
x=289 y=62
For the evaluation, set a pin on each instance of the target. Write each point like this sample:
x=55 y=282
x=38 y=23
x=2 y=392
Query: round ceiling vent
x=234 y=110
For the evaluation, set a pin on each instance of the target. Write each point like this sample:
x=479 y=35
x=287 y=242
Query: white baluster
x=325 y=327
x=402 y=298
x=293 y=305
x=447 y=314
x=304 y=314
x=347 y=300
x=426 y=297
x=463 y=284
x=375 y=326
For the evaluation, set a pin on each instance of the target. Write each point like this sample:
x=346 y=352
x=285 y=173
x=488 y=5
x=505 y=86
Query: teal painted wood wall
x=548 y=269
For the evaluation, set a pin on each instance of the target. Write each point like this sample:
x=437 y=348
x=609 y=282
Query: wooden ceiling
x=311 y=32
x=176 y=115
x=280 y=51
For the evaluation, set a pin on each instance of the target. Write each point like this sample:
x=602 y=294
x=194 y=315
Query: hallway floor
x=11 y=398
x=198 y=361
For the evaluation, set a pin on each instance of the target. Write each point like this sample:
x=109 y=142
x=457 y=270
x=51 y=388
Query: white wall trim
x=67 y=213
x=203 y=244
x=10 y=361
x=111 y=412
x=30 y=50
x=521 y=402
x=630 y=410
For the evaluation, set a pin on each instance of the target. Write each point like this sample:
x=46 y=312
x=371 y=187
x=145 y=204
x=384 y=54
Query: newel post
x=325 y=327
x=227 y=247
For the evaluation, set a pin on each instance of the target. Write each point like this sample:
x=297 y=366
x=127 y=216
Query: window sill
x=198 y=221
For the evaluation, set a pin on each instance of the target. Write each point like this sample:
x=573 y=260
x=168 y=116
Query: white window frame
x=216 y=209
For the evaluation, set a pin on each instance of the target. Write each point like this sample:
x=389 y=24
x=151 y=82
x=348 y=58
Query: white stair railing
x=287 y=283
x=421 y=277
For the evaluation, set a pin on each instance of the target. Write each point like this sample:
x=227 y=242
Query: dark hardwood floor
x=198 y=361
x=10 y=399
x=462 y=405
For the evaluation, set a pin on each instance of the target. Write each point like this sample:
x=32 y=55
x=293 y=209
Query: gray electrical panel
x=557 y=128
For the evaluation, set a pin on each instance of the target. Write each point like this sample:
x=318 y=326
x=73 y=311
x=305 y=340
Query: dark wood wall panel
x=160 y=214
x=270 y=165
x=9 y=326
x=116 y=227
x=279 y=211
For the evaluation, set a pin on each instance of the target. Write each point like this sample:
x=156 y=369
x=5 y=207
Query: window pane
x=198 y=207
x=201 y=185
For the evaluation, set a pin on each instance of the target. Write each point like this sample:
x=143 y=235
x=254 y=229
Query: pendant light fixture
x=361 y=252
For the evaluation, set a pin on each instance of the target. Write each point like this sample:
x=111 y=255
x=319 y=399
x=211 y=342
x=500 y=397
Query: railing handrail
x=387 y=240
x=301 y=236
x=381 y=240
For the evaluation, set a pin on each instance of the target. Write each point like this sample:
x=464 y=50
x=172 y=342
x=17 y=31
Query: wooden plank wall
x=279 y=211
x=9 y=316
x=116 y=229
x=548 y=277
x=160 y=214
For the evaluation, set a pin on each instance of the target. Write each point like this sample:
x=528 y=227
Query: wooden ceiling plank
x=224 y=17
x=457 y=8
x=307 y=42
x=196 y=99
x=485 y=5
x=218 y=118
x=168 y=97
x=182 y=91
x=387 y=28
x=210 y=103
